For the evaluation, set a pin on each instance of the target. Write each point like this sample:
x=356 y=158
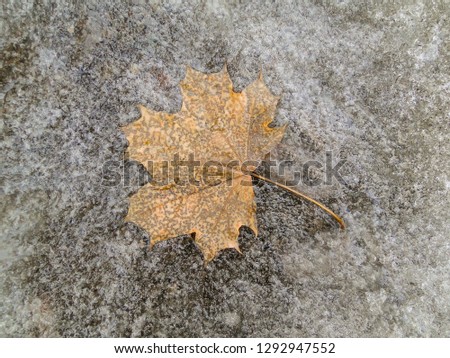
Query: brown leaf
x=215 y=125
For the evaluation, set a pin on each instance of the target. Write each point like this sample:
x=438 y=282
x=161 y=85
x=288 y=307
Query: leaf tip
x=225 y=67
x=141 y=108
x=260 y=74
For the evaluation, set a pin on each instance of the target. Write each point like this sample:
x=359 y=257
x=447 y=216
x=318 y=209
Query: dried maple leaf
x=215 y=125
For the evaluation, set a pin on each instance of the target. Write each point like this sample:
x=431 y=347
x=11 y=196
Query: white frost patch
x=430 y=51
x=231 y=319
x=376 y=300
x=46 y=57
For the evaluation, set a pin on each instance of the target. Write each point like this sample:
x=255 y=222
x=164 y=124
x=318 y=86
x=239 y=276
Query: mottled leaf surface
x=215 y=125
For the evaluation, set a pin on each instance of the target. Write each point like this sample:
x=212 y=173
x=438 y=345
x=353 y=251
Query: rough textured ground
x=368 y=82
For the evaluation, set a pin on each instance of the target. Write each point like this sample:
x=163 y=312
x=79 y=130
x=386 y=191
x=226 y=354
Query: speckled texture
x=370 y=83
x=216 y=131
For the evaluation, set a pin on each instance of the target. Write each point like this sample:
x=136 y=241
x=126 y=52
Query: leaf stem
x=303 y=196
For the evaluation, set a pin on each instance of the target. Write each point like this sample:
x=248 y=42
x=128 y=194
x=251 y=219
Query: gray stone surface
x=368 y=82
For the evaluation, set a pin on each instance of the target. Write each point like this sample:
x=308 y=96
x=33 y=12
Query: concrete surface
x=370 y=83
